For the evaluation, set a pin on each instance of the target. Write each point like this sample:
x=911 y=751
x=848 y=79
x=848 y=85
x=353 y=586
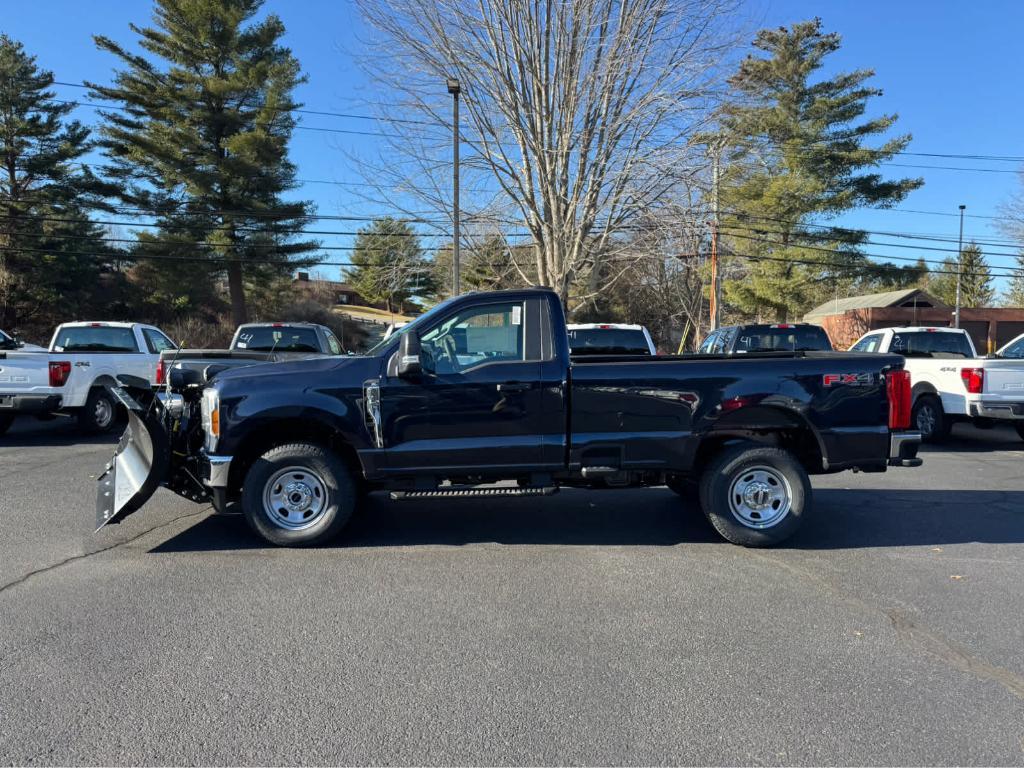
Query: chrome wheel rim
x=103 y=413
x=760 y=497
x=295 y=498
x=926 y=419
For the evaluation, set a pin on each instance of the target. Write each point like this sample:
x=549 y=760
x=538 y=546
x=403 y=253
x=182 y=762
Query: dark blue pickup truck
x=479 y=398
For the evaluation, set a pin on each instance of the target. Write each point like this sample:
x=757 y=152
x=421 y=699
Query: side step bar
x=472 y=493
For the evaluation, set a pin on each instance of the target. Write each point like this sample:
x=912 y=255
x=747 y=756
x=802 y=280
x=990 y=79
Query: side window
x=708 y=343
x=868 y=343
x=482 y=334
x=1015 y=350
x=721 y=340
x=332 y=343
x=156 y=342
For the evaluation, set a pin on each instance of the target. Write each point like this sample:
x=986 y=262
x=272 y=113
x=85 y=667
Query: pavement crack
x=75 y=558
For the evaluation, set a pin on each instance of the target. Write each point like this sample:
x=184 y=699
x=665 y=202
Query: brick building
x=845 y=320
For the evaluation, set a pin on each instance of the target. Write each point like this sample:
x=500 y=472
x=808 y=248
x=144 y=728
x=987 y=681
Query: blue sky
x=951 y=71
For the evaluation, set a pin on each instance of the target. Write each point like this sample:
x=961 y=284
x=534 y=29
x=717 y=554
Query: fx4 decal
x=852 y=379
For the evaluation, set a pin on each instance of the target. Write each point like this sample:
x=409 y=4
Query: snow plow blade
x=140 y=463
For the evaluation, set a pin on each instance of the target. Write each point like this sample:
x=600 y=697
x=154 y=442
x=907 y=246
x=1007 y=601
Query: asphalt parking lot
x=608 y=628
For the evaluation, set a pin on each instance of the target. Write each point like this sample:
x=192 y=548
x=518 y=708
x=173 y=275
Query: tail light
x=974 y=379
x=59 y=372
x=161 y=372
x=897 y=387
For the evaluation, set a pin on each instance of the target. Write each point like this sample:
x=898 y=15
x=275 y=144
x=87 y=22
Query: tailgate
x=25 y=373
x=1004 y=379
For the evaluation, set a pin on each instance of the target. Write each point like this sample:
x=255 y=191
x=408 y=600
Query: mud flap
x=140 y=464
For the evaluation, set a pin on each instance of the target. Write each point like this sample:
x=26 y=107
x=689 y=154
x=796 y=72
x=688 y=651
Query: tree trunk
x=239 y=312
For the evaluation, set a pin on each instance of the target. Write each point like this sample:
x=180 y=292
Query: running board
x=472 y=493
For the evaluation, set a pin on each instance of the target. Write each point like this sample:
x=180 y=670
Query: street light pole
x=959 y=269
x=454 y=89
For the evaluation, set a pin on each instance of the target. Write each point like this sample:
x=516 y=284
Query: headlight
x=211 y=419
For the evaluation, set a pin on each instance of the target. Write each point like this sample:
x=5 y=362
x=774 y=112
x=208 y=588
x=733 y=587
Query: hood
x=289 y=369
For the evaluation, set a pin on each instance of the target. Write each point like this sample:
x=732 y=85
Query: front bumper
x=903 y=449
x=215 y=471
x=17 y=403
x=998 y=409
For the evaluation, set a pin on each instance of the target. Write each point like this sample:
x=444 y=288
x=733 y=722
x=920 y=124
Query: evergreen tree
x=976 y=289
x=389 y=265
x=487 y=264
x=797 y=153
x=1014 y=296
x=50 y=252
x=202 y=146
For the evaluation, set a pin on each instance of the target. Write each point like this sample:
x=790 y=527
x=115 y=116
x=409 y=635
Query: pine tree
x=50 y=253
x=976 y=289
x=389 y=265
x=1014 y=296
x=202 y=146
x=797 y=152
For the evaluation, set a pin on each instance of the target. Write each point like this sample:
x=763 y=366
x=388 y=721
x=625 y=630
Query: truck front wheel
x=755 y=496
x=298 y=495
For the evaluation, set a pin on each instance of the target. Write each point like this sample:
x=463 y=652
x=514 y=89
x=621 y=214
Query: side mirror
x=409 y=364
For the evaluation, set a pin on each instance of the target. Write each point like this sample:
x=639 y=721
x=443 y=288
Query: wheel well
x=922 y=388
x=274 y=434
x=103 y=381
x=765 y=426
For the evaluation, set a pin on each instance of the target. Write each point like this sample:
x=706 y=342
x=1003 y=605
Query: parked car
x=950 y=382
x=9 y=343
x=760 y=337
x=71 y=377
x=609 y=339
x=255 y=343
x=1014 y=350
x=478 y=398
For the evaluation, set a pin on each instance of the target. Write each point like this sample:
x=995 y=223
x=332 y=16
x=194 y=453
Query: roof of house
x=871 y=300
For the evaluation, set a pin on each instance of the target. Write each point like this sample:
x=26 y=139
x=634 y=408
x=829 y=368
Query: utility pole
x=959 y=269
x=454 y=89
x=716 y=283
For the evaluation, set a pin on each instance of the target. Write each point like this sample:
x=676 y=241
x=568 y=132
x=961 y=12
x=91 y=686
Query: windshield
x=95 y=338
x=931 y=344
x=803 y=338
x=1014 y=350
x=608 y=341
x=277 y=338
x=420 y=322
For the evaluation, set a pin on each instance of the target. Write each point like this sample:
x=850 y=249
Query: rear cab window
x=782 y=338
x=277 y=338
x=95 y=338
x=608 y=341
x=931 y=344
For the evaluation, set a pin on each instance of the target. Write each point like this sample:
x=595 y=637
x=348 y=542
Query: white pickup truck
x=950 y=382
x=71 y=376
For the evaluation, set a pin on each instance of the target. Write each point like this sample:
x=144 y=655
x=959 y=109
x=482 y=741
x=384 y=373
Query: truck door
x=478 y=405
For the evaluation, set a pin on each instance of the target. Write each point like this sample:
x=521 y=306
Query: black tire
x=928 y=418
x=6 y=420
x=771 y=475
x=324 y=493
x=1020 y=429
x=99 y=414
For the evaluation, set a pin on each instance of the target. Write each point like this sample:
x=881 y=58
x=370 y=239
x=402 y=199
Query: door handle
x=513 y=386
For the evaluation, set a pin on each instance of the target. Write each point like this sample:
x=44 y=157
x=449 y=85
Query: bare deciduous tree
x=578 y=113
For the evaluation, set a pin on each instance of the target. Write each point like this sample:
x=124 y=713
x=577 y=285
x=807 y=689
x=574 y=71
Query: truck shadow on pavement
x=844 y=519
x=27 y=432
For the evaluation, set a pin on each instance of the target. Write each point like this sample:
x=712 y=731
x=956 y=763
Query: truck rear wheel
x=298 y=495
x=99 y=414
x=5 y=422
x=929 y=419
x=755 y=496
